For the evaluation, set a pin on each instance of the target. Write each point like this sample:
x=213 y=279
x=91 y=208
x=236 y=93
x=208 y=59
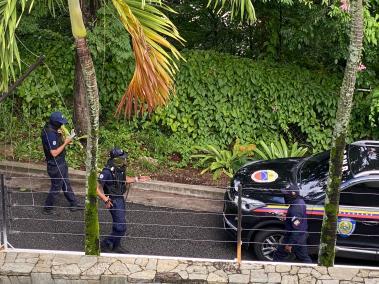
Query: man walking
x=296 y=226
x=111 y=189
x=57 y=169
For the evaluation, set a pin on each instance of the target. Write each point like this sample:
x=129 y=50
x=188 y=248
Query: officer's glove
x=72 y=134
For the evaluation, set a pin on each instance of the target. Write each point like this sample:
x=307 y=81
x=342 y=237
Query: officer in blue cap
x=57 y=169
x=296 y=226
x=111 y=188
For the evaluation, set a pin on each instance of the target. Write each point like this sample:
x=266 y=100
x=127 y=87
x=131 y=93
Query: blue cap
x=117 y=152
x=58 y=117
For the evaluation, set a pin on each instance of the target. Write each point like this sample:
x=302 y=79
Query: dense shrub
x=221 y=97
x=218 y=98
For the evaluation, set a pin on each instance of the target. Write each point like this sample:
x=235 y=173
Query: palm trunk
x=80 y=105
x=92 y=244
x=81 y=121
x=329 y=225
x=91 y=214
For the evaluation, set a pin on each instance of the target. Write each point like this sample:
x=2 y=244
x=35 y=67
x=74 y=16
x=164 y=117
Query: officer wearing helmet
x=54 y=148
x=296 y=226
x=111 y=187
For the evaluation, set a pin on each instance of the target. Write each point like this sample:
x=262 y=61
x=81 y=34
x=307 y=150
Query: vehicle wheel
x=265 y=243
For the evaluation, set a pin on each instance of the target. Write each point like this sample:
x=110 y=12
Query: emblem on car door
x=345 y=227
x=264 y=176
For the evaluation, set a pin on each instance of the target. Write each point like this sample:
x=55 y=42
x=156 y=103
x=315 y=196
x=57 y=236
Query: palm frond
x=155 y=56
x=244 y=8
x=9 y=19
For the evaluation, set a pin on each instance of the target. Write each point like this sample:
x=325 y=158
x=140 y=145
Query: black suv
x=263 y=205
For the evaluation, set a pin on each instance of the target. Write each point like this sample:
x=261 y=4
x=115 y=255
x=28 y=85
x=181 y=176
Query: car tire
x=264 y=243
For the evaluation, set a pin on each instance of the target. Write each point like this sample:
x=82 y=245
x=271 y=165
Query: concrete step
x=31 y=169
x=34 y=176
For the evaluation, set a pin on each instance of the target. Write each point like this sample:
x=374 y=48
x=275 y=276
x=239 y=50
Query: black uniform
x=296 y=232
x=112 y=179
x=57 y=168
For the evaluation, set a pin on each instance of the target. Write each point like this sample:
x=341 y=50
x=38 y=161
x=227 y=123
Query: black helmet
x=118 y=153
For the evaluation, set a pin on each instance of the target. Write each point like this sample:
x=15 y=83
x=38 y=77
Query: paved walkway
x=49 y=267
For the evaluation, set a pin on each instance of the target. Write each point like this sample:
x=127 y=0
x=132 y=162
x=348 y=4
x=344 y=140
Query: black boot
x=105 y=247
x=120 y=249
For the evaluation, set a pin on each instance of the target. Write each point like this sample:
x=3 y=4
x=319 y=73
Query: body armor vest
x=118 y=184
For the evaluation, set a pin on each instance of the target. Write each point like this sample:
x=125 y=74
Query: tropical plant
x=278 y=149
x=220 y=161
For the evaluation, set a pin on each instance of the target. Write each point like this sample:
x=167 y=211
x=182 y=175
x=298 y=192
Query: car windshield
x=363 y=158
x=312 y=176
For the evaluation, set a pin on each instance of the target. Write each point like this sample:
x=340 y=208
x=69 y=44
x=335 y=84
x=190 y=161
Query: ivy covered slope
x=221 y=97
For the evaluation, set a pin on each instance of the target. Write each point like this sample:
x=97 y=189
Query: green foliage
x=218 y=161
x=50 y=86
x=220 y=97
x=113 y=58
x=374 y=113
x=278 y=149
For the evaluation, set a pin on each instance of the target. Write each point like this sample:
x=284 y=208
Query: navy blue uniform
x=114 y=188
x=57 y=168
x=296 y=227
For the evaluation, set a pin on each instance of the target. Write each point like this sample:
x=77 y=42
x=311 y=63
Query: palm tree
x=329 y=225
x=150 y=86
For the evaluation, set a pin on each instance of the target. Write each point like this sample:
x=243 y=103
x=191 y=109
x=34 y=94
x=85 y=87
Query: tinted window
x=363 y=158
x=313 y=176
x=362 y=195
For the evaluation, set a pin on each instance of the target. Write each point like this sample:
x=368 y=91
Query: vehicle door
x=358 y=218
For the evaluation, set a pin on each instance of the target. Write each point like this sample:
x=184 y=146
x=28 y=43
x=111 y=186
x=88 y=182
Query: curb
x=28 y=171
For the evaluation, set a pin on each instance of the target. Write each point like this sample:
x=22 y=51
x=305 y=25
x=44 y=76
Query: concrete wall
x=42 y=267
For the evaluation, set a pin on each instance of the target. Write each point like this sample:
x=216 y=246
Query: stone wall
x=52 y=267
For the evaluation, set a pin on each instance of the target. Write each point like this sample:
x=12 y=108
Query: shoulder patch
x=54 y=143
x=101 y=176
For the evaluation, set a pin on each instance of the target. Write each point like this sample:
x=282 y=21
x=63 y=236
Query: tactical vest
x=118 y=184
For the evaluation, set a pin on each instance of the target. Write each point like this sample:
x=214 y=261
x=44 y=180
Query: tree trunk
x=92 y=241
x=329 y=225
x=81 y=121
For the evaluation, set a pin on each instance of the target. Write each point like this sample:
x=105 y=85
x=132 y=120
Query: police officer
x=113 y=181
x=295 y=238
x=57 y=169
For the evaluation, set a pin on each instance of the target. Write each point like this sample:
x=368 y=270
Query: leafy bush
x=278 y=149
x=223 y=161
x=220 y=97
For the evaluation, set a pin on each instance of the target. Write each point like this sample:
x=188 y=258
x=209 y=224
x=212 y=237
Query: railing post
x=239 y=226
x=4 y=212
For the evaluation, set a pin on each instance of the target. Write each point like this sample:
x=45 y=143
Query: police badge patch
x=54 y=143
x=345 y=227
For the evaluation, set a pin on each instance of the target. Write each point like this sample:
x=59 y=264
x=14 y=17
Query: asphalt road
x=151 y=230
